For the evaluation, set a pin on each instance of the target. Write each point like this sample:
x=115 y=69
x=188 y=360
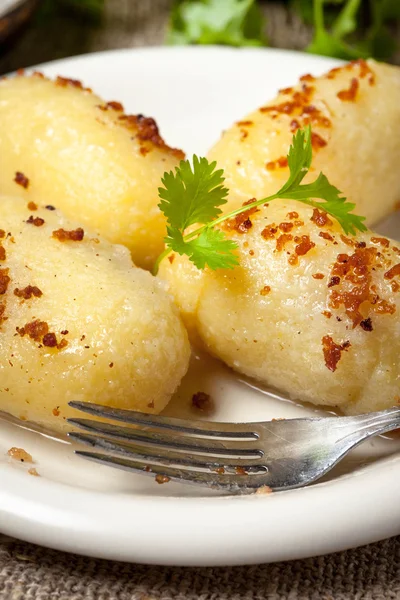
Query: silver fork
x=233 y=457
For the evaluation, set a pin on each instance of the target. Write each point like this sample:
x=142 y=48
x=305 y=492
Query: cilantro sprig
x=194 y=194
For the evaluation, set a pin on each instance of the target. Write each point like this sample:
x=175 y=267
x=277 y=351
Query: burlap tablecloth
x=29 y=572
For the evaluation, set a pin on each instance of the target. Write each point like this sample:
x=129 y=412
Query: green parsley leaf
x=192 y=195
x=299 y=161
x=299 y=158
x=335 y=204
x=230 y=22
x=210 y=248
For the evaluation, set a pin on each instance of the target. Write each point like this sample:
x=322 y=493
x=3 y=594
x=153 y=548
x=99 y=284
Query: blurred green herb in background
x=339 y=40
x=345 y=29
x=230 y=22
x=92 y=9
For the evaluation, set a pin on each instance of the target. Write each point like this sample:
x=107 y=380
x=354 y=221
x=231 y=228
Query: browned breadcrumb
x=357 y=293
x=350 y=94
x=304 y=245
x=2 y=311
x=113 y=105
x=67 y=82
x=35 y=330
x=333 y=352
x=359 y=64
x=335 y=280
x=162 y=479
x=279 y=163
x=286 y=90
x=4 y=280
x=203 y=402
x=21 y=179
x=240 y=471
x=27 y=292
x=20 y=454
x=392 y=272
x=146 y=130
x=36 y=221
x=3 y=254
x=286 y=227
x=366 y=324
x=381 y=240
x=32 y=471
x=32 y=206
x=241 y=222
x=318 y=275
x=317 y=141
x=282 y=240
x=307 y=77
x=298 y=104
x=56 y=411
x=326 y=236
x=265 y=290
x=49 y=340
x=269 y=232
x=320 y=218
x=75 y=235
x=264 y=490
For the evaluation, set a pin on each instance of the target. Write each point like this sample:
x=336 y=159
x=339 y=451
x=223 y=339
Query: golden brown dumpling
x=354 y=112
x=308 y=311
x=79 y=322
x=100 y=166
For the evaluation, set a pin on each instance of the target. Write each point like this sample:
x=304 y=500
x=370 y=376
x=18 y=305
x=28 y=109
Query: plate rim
x=36 y=519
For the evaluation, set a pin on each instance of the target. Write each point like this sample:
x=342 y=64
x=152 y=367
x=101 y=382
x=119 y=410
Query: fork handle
x=374 y=424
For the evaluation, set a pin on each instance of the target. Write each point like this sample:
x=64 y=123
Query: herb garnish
x=194 y=195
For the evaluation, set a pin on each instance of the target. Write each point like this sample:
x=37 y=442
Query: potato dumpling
x=354 y=112
x=79 y=321
x=309 y=311
x=59 y=140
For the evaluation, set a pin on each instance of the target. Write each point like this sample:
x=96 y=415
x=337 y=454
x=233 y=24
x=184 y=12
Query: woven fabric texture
x=28 y=572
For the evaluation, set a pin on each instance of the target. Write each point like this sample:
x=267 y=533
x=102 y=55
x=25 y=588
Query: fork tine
x=179 y=442
x=168 y=457
x=226 y=482
x=209 y=429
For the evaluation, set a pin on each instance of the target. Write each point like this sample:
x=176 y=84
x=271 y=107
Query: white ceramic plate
x=89 y=509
